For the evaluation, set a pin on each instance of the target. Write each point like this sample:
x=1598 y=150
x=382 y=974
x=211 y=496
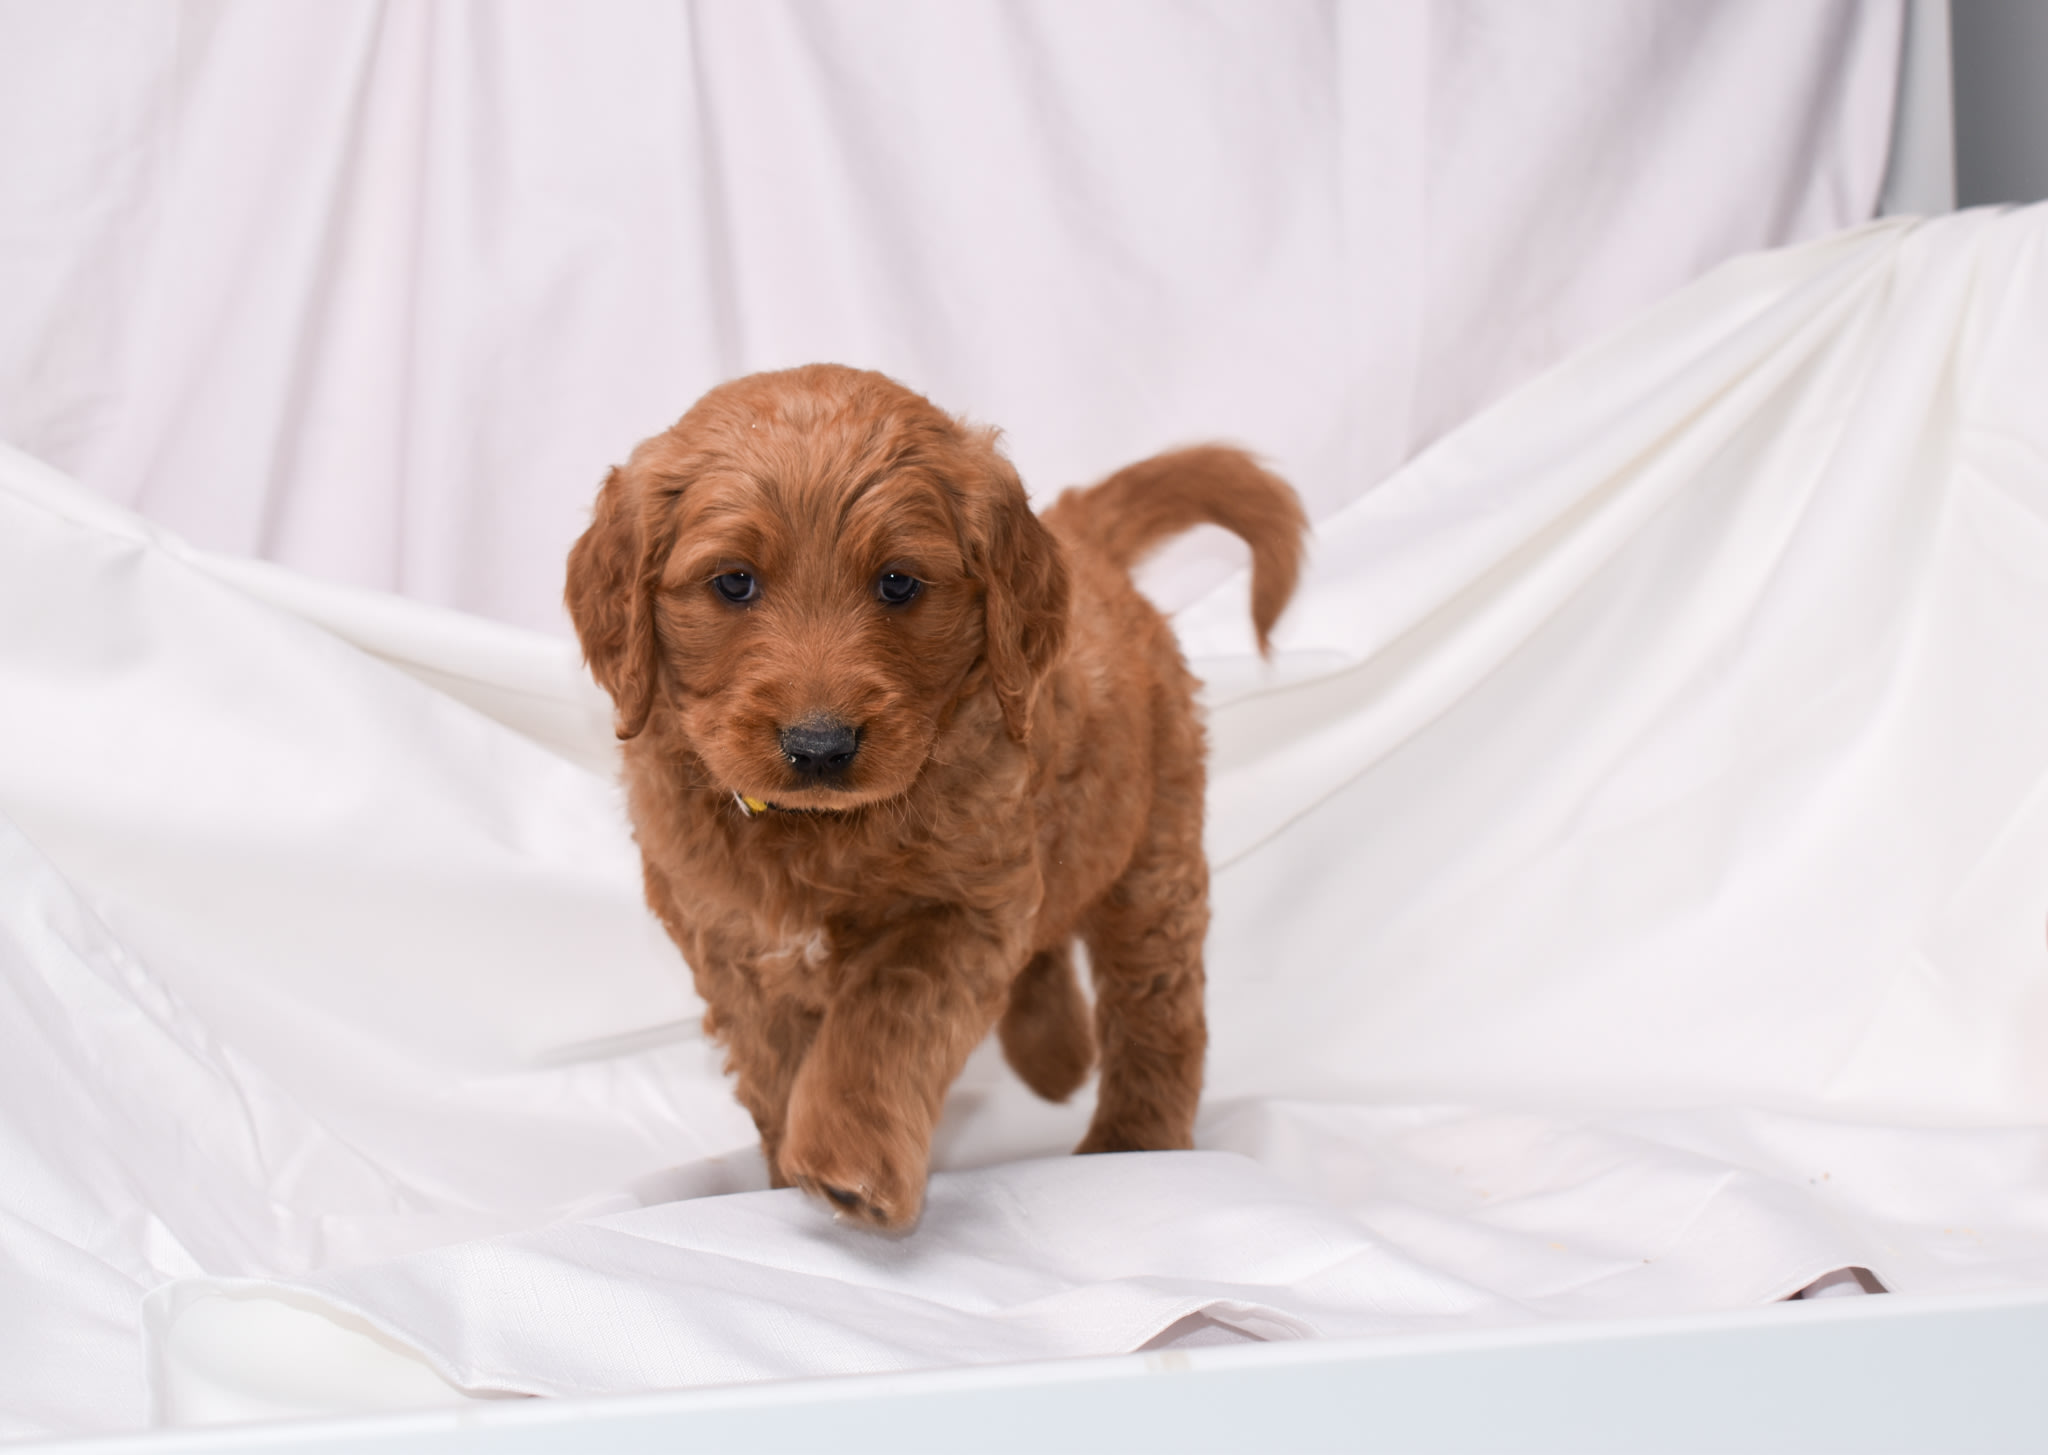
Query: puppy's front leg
x=913 y=1002
x=765 y=1044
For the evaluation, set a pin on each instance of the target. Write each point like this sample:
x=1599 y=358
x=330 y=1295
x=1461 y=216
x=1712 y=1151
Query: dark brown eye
x=738 y=587
x=896 y=589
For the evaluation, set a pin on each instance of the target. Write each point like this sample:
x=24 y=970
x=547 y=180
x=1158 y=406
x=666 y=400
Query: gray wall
x=1921 y=177
x=2000 y=55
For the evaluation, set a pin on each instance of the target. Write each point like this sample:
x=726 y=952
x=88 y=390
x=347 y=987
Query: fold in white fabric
x=1629 y=900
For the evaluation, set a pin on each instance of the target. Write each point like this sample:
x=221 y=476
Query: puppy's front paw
x=854 y=1170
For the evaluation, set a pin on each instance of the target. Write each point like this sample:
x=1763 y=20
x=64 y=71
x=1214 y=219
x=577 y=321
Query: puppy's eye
x=896 y=589
x=736 y=586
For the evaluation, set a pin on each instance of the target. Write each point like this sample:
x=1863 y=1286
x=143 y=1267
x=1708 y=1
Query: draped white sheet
x=1630 y=899
x=377 y=288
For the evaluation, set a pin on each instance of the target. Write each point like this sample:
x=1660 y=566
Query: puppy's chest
x=791 y=922
x=793 y=932
x=792 y=962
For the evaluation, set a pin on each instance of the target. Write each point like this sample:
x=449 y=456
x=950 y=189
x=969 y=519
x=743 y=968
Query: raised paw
x=854 y=1169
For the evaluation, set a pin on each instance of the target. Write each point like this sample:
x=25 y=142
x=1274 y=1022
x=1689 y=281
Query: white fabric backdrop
x=378 y=290
x=1630 y=900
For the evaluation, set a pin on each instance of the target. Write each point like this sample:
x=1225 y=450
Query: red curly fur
x=1029 y=767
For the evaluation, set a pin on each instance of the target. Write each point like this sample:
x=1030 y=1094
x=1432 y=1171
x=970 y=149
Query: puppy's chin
x=809 y=799
x=860 y=791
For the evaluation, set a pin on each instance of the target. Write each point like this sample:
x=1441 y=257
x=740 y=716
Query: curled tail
x=1141 y=505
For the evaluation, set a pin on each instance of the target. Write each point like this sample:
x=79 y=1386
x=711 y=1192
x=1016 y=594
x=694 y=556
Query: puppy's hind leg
x=1044 y=1029
x=1145 y=942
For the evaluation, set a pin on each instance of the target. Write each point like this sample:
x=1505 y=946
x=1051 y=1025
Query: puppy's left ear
x=1024 y=577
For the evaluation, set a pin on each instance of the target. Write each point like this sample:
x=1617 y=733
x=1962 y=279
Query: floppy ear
x=1024 y=576
x=610 y=596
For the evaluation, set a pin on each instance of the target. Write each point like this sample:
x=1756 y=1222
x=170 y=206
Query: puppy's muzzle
x=820 y=748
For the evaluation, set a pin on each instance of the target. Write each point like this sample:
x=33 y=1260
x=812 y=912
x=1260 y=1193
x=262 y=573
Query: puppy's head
x=806 y=575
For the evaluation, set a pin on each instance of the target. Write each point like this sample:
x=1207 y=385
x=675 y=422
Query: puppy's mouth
x=820 y=766
x=820 y=773
x=820 y=800
x=808 y=798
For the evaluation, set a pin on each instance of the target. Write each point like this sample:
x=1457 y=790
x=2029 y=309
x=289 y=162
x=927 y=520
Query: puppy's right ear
x=611 y=600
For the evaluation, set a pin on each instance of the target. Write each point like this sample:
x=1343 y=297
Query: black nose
x=820 y=748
